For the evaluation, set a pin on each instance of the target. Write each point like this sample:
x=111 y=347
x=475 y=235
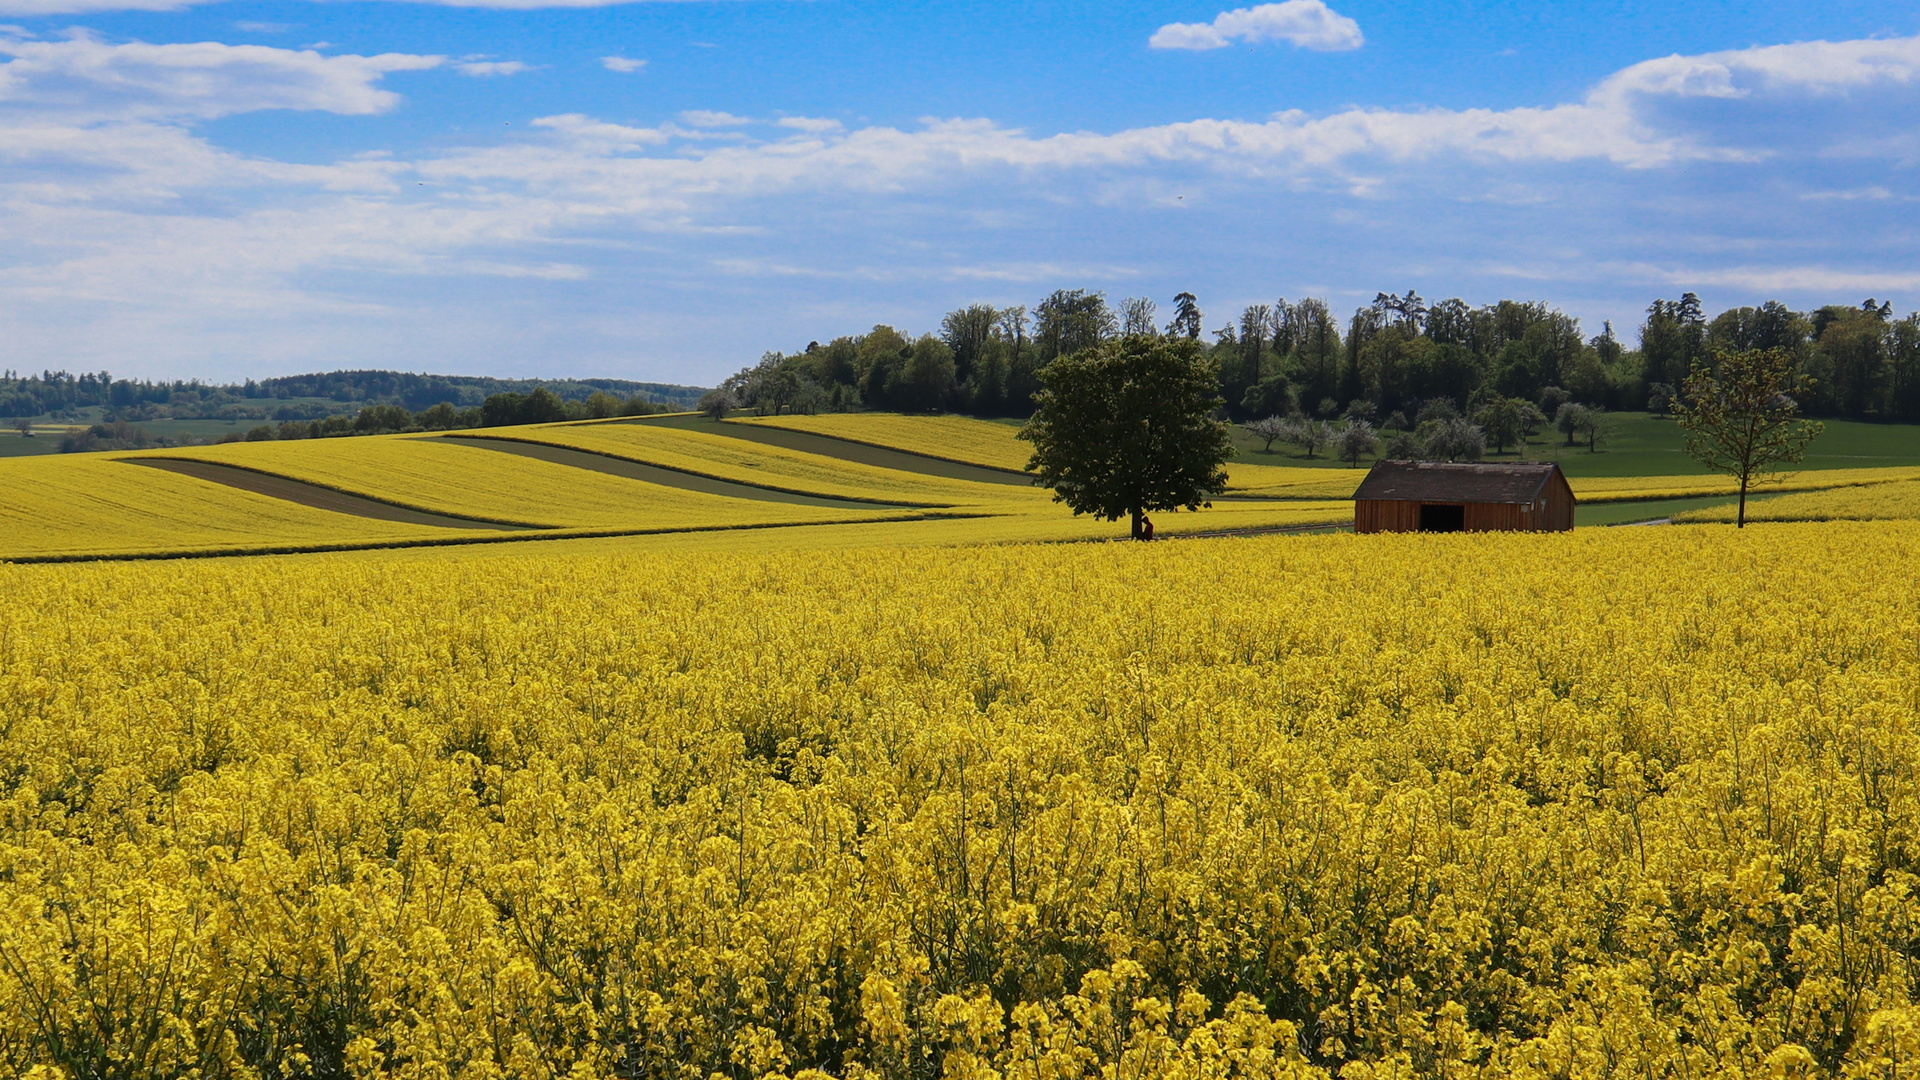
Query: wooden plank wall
x=1498 y=517
x=1560 y=501
x=1382 y=515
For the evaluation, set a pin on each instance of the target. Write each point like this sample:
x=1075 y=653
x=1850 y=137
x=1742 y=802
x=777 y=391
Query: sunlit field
x=675 y=754
x=1415 y=803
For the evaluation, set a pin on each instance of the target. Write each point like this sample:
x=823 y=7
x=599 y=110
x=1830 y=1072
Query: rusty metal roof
x=1455 y=482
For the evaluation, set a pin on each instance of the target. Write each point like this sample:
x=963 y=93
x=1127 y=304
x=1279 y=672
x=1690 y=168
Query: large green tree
x=1127 y=427
x=1742 y=418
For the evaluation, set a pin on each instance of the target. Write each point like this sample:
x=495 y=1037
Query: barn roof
x=1461 y=482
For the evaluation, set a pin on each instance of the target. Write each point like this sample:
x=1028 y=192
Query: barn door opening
x=1442 y=518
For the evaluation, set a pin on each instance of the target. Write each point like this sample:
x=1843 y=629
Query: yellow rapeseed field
x=954 y=438
x=1899 y=500
x=1636 y=488
x=88 y=504
x=451 y=476
x=769 y=466
x=1610 y=803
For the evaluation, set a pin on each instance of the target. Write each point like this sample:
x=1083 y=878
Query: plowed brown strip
x=320 y=498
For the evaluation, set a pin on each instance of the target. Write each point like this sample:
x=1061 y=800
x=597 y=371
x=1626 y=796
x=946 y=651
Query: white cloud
x=1773 y=280
x=120 y=215
x=706 y=118
x=79 y=7
x=1309 y=24
x=204 y=80
x=1032 y=273
x=621 y=64
x=32 y=8
x=482 y=69
x=811 y=124
x=585 y=131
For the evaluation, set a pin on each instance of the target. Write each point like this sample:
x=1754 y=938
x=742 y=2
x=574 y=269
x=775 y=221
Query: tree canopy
x=1741 y=416
x=1126 y=427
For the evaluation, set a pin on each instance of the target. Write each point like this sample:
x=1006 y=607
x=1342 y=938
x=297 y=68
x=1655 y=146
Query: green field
x=1642 y=445
x=184 y=432
x=13 y=444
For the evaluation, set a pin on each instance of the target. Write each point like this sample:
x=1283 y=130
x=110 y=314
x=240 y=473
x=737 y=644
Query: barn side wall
x=1384 y=515
x=1560 y=502
x=1498 y=517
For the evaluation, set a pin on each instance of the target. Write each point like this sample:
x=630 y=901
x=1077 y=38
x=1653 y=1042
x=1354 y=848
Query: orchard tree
x=1594 y=425
x=1355 y=439
x=1571 y=419
x=1269 y=430
x=1127 y=426
x=1502 y=421
x=1742 y=418
x=716 y=404
x=1309 y=434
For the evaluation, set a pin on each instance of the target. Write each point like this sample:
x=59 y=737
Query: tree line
x=60 y=394
x=542 y=406
x=1398 y=354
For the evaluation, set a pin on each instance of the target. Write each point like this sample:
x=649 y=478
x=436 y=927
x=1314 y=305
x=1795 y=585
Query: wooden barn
x=1443 y=496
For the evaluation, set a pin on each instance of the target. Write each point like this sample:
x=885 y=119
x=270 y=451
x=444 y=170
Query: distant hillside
x=420 y=391
x=60 y=395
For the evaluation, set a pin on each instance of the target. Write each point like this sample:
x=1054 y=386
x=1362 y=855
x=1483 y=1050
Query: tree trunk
x=1138 y=516
x=1741 y=522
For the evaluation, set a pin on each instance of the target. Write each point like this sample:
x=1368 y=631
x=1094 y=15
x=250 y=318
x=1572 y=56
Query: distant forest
x=58 y=393
x=1394 y=355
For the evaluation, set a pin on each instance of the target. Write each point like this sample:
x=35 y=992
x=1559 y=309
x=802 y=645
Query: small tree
x=1569 y=418
x=1355 y=439
x=601 y=405
x=1127 y=426
x=1452 y=439
x=438 y=418
x=1501 y=420
x=1269 y=430
x=1593 y=424
x=1743 y=419
x=1660 y=397
x=25 y=426
x=1309 y=435
x=716 y=404
x=1532 y=422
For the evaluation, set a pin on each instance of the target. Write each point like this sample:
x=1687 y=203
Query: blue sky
x=664 y=190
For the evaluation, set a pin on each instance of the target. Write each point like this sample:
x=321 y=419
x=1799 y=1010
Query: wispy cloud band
x=115 y=198
x=1310 y=24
